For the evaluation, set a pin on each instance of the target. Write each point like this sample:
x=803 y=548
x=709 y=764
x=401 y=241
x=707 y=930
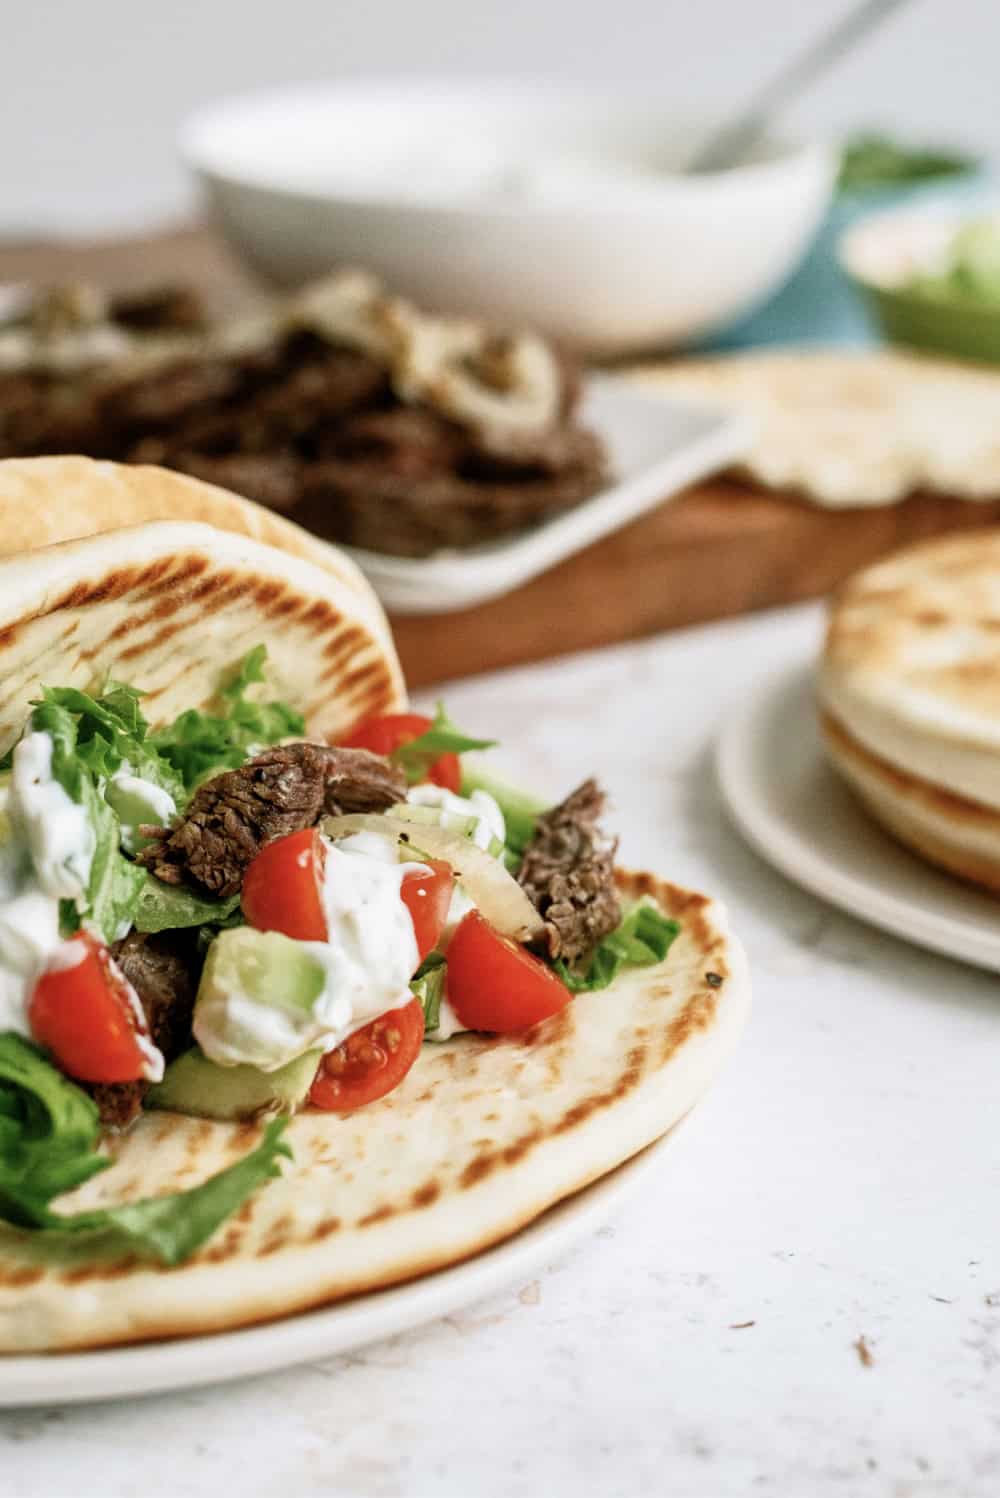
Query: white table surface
x=842 y=1182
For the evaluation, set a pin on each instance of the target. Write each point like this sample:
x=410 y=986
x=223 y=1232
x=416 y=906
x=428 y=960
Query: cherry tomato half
x=371 y=1062
x=388 y=733
x=85 y=1016
x=496 y=985
x=427 y=896
x=281 y=888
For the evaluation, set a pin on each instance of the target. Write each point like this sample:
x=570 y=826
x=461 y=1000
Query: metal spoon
x=728 y=145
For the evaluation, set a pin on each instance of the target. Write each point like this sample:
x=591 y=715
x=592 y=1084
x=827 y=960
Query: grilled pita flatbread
x=910 y=687
x=484 y=1134
x=170 y=606
x=849 y=430
x=44 y=501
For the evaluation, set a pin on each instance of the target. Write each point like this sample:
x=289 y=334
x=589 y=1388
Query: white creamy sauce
x=137 y=802
x=56 y=829
x=456 y=810
x=29 y=934
x=367 y=961
x=371 y=948
x=489 y=824
x=46 y=857
x=448 y=1024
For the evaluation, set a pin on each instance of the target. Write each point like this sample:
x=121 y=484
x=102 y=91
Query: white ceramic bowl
x=549 y=205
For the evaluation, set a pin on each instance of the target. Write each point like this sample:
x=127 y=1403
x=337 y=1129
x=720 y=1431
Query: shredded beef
x=163 y=970
x=283 y=790
x=160 y=309
x=568 y=874
x=307 y=426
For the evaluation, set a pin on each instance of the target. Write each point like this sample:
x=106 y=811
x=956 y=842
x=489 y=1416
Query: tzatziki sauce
x=56 y=828
x=367 y=961
x=137 y=802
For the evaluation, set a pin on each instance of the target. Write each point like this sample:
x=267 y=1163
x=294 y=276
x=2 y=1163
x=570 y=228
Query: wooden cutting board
x=722 y=548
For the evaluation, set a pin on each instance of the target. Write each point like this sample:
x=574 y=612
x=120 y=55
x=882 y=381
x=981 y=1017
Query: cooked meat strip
x=568 y=874
x=310 y=426
x=560 y=450
x=163 y=970
x=160 y=309
x=361 y=504
x=272 y=479
x=281 y=791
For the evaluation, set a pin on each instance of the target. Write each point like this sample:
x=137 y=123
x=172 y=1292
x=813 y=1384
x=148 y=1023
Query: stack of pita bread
x=910 y=696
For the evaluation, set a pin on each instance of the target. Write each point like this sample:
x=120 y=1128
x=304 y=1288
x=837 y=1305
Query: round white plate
x=793 y=809
x=81 y=1377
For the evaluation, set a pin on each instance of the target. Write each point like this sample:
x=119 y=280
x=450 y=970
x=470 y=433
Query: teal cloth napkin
x=818 y=304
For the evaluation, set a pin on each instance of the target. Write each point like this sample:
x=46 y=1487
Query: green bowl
x=939 y=325
x=887 y=247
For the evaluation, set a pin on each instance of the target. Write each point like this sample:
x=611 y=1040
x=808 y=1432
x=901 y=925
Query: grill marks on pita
x=568 y=874
x=281 y=791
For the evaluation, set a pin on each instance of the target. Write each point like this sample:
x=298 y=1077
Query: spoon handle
x=726 y=145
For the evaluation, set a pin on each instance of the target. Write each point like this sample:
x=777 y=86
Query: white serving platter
x=153 y=1368
x=657 y=446
x=793 y=809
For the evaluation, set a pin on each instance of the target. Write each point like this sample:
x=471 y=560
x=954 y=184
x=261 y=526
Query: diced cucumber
x=263 y=967
x=193 y=1084
x=263 y=1001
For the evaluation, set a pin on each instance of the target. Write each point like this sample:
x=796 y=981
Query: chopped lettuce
x=48 y=1144
x=428 y=987
x=870 y=161
x=171 y=907
x=110 y=731
x=48 y=1129
x=112 y=891
x=199 y=744
x=416 y=757
x=644 y=937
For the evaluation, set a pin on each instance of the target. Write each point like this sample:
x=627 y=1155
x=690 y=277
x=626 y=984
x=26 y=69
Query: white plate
x=82 y=1377
x=657 y=447
x=791 y=807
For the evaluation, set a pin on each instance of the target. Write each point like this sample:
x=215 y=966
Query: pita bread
x=851 y=430
x=910 y=684
x=482 y=1135
x=959 y=835
x=47 y=500
x=171 y=607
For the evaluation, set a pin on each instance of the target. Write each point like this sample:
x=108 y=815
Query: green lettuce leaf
x=170 y=907
x=113 y=889
x=428 y=986
x=199 y=744
x=416 y=757
x=48 y=1131
x=110 y=729
x=48 y=1144
x=878 y=161
x=643 y=938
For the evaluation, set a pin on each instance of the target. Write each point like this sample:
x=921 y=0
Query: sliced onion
x=499 y=896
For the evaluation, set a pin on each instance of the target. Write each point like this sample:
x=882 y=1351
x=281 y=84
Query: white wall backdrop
x=93 y=89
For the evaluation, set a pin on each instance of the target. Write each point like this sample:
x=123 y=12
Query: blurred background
x=93 y=93
x=694 y=488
